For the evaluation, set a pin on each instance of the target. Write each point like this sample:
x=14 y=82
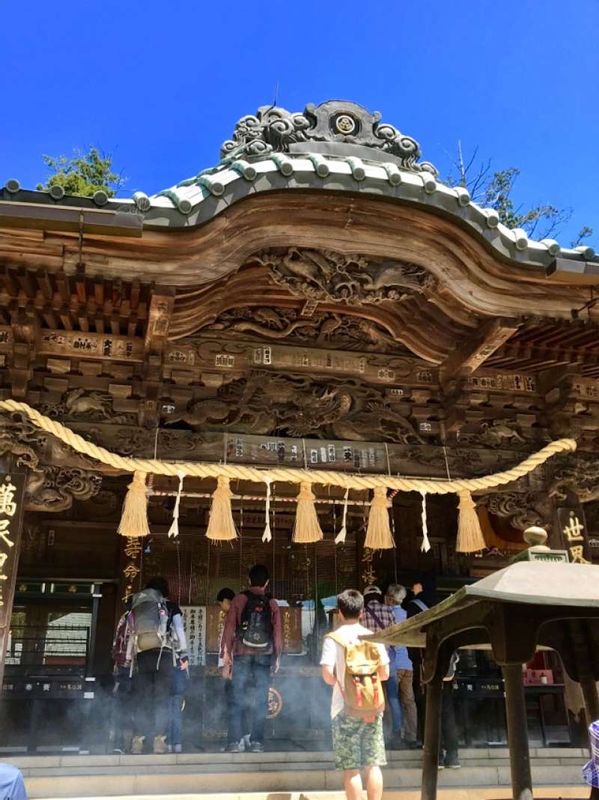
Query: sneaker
x=396 y=742
x=413 y=744
x=245 y=742
x=452 y=763
x=137 y=745
x=177 y=748
x=160 y=745
x=256 y=747
x=233 y=747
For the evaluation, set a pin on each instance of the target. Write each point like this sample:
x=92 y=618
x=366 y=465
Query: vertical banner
x=573 y=532
x=194 y=623
x=12 y=487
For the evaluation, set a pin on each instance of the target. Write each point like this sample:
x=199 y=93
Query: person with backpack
x=155 y=644
x=402 y=668
x=356 y=669
x=121 y=717
x=376 y=617
x=251 y=650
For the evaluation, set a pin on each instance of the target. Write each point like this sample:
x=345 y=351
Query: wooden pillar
x=12 y=488
x=517 y=732
x=432 y=738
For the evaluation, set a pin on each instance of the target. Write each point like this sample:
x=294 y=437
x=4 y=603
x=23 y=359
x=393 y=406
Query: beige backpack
x=362 y=690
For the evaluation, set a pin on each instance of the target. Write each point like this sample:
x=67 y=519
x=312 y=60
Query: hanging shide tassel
x=173 y=531
x=470 y=536
x=307 y=527
x=426 y=545
x=267 y=535
x=221 y=527
x=134 y=519
x=378 y=534
x=340 y=538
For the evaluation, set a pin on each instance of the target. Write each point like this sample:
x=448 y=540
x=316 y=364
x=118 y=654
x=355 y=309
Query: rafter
x=475 y=349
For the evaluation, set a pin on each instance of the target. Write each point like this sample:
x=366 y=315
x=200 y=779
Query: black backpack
x=255 y=629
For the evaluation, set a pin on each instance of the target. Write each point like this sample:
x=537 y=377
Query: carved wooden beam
x=473 y=351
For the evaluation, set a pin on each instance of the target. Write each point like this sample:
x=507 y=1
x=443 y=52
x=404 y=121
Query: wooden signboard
x=12 y=487
x=291 y=621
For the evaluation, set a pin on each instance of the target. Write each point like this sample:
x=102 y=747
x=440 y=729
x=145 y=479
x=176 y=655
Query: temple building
x=319 y=301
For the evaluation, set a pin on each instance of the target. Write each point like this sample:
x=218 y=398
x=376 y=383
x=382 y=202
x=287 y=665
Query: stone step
x=557 y=792
x=203 y=774
x=297 y=759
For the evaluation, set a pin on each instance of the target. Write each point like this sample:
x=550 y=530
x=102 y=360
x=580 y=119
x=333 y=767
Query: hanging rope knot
x=307 y=527
x=221 y=526
x=378 y=534
x=134 y=519
x=470 y=535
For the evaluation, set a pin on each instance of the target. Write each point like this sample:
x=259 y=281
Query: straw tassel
x=340 y=538
x=307 y=528
x=134 y=519
x=221 y=527
x=267 y=535
x=470 y=535
x=173 y=531
x=378 y=535
x=426 y=545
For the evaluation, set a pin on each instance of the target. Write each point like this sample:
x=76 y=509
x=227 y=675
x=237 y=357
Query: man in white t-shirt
x=358 y=744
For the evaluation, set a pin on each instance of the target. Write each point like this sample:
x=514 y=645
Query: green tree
x=83 y=174
x=494 y=189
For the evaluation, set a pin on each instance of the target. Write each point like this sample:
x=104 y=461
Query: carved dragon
x=273 y=403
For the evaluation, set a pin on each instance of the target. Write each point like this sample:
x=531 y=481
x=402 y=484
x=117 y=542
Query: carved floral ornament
x=276 y=130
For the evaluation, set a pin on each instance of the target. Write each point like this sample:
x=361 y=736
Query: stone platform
x=286 y=775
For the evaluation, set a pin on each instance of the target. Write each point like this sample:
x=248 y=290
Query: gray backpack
x=149 y=622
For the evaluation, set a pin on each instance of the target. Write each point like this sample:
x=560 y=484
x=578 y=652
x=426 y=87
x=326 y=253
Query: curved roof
x=337 y=146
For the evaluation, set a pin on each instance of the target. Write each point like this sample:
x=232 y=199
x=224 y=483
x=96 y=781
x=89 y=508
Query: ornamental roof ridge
x=336 y=127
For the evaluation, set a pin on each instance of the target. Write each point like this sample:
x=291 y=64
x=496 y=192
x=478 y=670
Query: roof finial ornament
x=335 y=128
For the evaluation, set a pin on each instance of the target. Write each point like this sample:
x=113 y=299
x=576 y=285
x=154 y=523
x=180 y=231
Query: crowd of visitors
x=151 y=665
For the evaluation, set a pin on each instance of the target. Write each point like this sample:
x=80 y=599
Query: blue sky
x=161 y=84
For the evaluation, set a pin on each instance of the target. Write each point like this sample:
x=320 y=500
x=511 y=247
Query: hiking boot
x=233 y=747
x=256 y=747
x=160 y=746
x=137 y=745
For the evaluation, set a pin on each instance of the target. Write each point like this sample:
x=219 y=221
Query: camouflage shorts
x=357 y=743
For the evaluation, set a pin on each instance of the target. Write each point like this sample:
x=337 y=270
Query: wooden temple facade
x=317 y=299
